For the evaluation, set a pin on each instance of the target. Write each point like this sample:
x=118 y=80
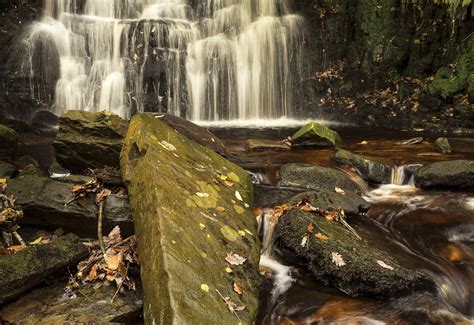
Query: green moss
x=315 y=133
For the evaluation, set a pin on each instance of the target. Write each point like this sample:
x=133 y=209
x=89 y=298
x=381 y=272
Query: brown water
x=429 y=231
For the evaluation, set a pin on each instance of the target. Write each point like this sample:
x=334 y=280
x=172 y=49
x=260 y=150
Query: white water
x=222 y=60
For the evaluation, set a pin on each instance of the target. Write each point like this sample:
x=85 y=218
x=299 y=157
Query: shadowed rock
x=454 y=175
x=370 y=170
x=8 y=142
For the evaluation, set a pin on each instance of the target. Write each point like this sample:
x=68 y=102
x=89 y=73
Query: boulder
x=351 y=203
x=264 y=145
x=315 y=178
x=7 y=170
x=453 y=175
x=442 y=145
x=315 y=134
x=50 y=305
x=8 y=142
x=89 y=140
x=191 y=209
x=24 y=270
x=361 y=268
x=371 y=170
x=194 y=132
x=43 y=201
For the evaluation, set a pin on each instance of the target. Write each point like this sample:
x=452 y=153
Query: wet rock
x=454 y=175
x=370 y=170
x=89 y=140
x=24 y=270
x=442 y=145
x=315 y=178
x=187 y=219
x=7 y=170
x=23 y=161
x=363 y=269
x=267 y=196
x=31 y=170
x=194 y=132
x=43 y=201
x=50 y=305
x=351 y=203
x=8 y=142
x=57 y=169
x=315 y=134
x=263 y=144
x=411 y=141
x=44 y=119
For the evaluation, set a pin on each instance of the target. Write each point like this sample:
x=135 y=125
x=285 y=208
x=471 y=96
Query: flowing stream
x=209 y=60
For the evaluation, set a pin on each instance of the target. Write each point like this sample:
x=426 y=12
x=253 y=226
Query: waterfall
x=210 y=60
x=404 y=175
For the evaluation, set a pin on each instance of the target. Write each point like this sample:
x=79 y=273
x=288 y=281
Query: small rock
x=89 y=140
x=24 y=270
x=7 y=170
x=315 y=178
x=315 y=134
x=442 y=145
x=369 y=169
x=453 y=175
x=8 y=142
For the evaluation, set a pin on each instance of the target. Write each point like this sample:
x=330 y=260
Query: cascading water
x=209 y=61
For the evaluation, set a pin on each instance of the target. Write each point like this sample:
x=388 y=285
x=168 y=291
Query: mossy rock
x=89 y=140
x=371 y=170
x=362 y=274
x=7 y=170
x=315 y=178
x=8 y=142
x=315 y=134
x=442 y=145
x=449 y=175
x=191 y=207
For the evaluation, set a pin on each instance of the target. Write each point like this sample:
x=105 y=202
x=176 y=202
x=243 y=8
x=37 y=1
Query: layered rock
x=369 y=169
x=24 y=270
x=89 y=140
x=315 y=134
x=337 y=258
x=43 y=201
x=454 y=175
x=191 y=209
x=315 y=178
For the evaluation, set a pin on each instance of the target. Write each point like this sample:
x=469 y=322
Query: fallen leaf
x=228 y=270
x=384 y=265
x=220 y=209
x=168 y=146
x=304 y=241
x=234 y=259
x=205 y=287
x=320 y=236
x=202 y=226
x=36 y=242
x=233 y=177
x=238 y=196
x=241 y=233
x=238 y=289
x=248 y=232
x=228 y=183
x=339 y=191
x=337 y=259
x=102 y=195
x=201 y=194
x=223 y=178
x=310 y=228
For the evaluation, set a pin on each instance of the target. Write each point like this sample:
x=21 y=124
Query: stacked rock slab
x=190 y=209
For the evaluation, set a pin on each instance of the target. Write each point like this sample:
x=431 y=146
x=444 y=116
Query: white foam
x=282 y=122
x=281 y=275
x=470 y=203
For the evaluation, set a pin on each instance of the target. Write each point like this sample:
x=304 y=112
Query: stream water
x=428 y=231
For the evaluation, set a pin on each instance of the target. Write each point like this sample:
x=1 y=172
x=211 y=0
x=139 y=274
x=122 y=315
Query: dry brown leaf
x=310 y=228
x=337 y=259
x=238 y=289
x=384 y=265
x=320 y=236
x=234 y=259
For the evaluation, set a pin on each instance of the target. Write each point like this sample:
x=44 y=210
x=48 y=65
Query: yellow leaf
x=205 y=287
x=320 y=236
x=233 y=177
x=241 y=233
x=36 y=242
x=229 y=183
x=224 y=178
x=220 y=209
x=3 y=180
x=202 y=226
x=228 y=270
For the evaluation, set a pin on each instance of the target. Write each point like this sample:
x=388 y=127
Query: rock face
x=315 y=178
x=43 y=202
x=351 y=203
x=89 y=140
x=48 y=306
x=454 y=175
x=190 y=209
x=24 y=270
x=8 y=142
x=370 y=170
x=442 y=145
x=359 y=272
x=195 y=132
x=314 y=134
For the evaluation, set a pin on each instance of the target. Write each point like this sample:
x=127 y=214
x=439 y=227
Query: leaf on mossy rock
x=234 y=259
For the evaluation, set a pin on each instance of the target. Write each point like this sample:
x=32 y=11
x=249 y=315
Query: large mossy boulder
x=371 y=170
x=89 y=140
x=43 y=202
x=452 y=175
x=8 y=142
x=315 y=134
x=191 y=209
x=314 y=177
x=337 y=258
x=24 y=270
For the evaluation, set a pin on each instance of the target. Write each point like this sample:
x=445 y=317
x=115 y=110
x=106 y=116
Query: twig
x=116 y=292
x=99 y=226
